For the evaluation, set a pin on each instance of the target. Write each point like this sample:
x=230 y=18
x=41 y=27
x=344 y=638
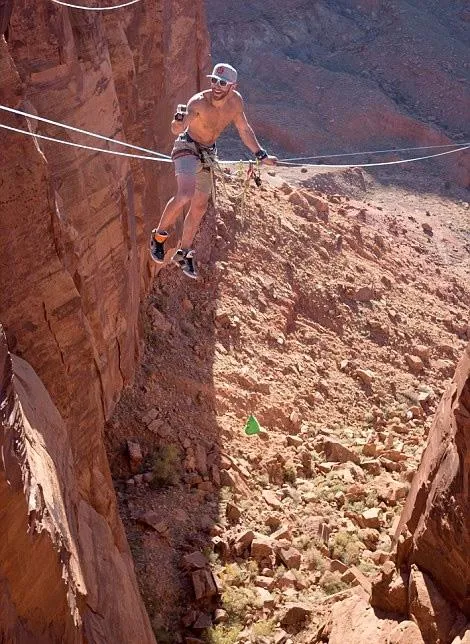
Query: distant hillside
x=334 y=76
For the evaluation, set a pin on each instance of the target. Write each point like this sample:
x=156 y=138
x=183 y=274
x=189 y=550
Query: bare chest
x=211 y=121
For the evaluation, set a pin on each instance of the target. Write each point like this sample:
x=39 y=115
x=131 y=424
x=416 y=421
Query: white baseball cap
x=225 y=72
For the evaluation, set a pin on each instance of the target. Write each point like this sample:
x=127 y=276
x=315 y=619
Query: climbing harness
x=207 y=155
x=79 y=6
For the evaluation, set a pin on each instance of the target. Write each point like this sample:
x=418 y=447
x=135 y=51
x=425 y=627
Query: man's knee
x=184 y=195
x=200 y=202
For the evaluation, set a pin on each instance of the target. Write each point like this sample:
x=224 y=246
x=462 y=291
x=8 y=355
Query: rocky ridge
x=336 y=76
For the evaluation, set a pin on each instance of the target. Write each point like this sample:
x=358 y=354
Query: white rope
x=370 y=165
x=351 y=154
x=76 y=129
x=78 y=6
x=84 y=147
x=158 y=156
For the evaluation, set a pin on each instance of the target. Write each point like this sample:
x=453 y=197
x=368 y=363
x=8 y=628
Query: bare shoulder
x=197 y=100
x=237 y=100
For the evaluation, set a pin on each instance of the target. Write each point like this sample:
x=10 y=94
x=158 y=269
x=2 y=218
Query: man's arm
x=248 y=137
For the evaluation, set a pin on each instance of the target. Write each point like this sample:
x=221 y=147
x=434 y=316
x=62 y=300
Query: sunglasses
x=219 y=81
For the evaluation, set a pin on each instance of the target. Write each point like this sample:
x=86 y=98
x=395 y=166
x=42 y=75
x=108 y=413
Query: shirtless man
x=208 y=114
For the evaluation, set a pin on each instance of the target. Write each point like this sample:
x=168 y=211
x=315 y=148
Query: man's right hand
x=177 y=127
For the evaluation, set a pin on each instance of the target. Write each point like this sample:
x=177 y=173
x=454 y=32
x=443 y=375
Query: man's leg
x=193 y=218
x=186 y=184
x=185 y=192
x=184 y=256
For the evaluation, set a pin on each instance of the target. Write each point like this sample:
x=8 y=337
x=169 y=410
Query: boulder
x=291 y=557
x=354 y=621
x=271 y=499
x=338 y=453
x=434 y=615
x=195 y=561
x=390 y=590
x=262 y=549
x=295 y=615
x=203 y=584
x=405 y=632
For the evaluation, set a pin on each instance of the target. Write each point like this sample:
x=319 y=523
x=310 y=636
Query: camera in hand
x=181 y=112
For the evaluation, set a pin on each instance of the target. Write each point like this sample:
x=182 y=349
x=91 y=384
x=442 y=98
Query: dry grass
x=165 y=464
x=331 y=583
x=346 y=547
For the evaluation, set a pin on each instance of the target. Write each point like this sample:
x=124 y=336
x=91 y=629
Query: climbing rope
x=78 y=6
x=351 y=154
x=84 y=147
x=372 y=165
x=216 y=164
x=80 y=131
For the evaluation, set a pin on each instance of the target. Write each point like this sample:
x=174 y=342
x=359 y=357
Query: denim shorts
x=191 y=163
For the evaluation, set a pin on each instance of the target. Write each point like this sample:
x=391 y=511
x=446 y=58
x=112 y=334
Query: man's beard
x=218 y=97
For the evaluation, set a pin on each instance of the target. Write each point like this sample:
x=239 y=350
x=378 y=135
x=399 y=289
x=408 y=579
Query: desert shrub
x=346 y=547
x=234 y=575
x=264 y=628
x=314 y=560
x=331 y=583
x=289 y=472
x=237 y=600
x=164 y=463
x=223 y=634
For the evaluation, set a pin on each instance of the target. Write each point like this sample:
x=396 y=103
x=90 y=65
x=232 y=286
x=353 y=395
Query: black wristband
x=261 y=154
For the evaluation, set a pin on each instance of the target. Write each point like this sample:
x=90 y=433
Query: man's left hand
x=269 y=160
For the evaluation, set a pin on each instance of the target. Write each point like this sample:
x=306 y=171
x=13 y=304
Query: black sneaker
x=185 y=260
x=179 y=258
x=190 y=268
x=157 y=245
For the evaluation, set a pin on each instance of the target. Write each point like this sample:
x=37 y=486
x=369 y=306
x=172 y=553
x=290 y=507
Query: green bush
x=331 y=583
x=223 y=634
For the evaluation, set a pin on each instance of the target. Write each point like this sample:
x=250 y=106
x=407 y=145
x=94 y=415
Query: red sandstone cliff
x=73 y=268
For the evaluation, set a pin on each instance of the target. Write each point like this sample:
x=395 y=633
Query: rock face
x=56 y=595
x=436 y=512
x=73 y=268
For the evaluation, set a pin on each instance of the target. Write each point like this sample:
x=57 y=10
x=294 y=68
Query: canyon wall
x=73 y=268
x=434 y=528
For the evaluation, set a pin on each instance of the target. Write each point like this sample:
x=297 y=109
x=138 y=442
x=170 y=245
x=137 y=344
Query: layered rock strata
x=335 y=76
x=434 y=529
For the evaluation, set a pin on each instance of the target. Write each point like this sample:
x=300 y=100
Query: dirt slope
x=333 y=315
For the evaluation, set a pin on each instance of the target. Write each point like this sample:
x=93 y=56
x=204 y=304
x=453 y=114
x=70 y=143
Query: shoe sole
x=191 y=275
x=157 y=261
